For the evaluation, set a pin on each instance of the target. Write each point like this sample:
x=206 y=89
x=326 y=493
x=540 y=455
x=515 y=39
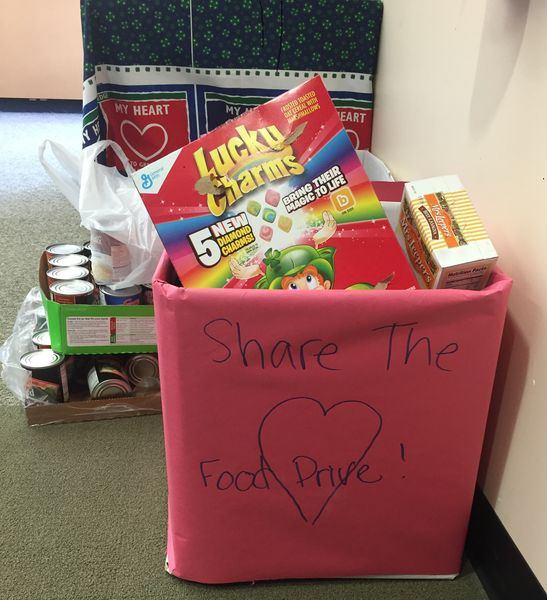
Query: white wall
x=462 y=88
x=41 y=54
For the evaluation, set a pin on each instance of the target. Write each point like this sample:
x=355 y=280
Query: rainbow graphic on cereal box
x=276 y=198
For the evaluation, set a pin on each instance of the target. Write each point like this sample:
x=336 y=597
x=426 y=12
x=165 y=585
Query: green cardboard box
x=95 y=329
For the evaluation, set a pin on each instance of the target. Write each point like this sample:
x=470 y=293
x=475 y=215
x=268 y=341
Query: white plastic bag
x=108 y=203
x=18 y=343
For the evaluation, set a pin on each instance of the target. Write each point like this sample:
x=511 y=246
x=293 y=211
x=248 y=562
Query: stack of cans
x=70 y=279
x=116 y=376
x=55 y=377
x=68 y=274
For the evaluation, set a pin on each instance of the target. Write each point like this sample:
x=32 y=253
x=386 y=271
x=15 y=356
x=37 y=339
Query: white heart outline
x=142 y=132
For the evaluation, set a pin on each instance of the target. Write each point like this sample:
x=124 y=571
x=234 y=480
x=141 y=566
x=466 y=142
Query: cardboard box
x=95 y=329
x=93 y=410
x=332 y=434
x=445 y=238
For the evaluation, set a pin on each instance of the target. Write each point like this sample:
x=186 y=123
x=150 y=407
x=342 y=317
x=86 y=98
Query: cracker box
x=444 y=236
x=276 y=198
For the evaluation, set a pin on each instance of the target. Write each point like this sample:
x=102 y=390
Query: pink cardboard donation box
x=332 y=434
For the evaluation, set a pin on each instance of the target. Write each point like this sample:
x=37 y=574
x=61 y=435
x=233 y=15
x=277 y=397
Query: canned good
x=66 y=274
x=69 y=260
x=107 y=379
x=141 y=367
x=129 y=295
x=76 y=291
x=86 y=249
x=62 y=249
x=147 y=296
x=48 y=381
x=110 y=258
x=41 y=339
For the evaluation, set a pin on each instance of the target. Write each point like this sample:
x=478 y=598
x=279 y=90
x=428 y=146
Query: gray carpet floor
x=83 y=506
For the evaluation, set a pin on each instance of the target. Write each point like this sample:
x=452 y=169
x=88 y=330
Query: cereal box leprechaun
x=276 y=198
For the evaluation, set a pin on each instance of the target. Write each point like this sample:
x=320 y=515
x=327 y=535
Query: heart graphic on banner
x=313 y=452
x=153 y=138
x=354 y=138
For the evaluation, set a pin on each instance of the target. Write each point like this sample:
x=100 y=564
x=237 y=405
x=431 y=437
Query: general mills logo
x=146 y=181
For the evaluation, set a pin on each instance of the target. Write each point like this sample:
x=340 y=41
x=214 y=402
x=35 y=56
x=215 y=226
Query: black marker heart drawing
x=312 y=452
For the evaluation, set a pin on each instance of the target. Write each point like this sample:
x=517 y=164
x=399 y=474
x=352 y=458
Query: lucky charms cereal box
x=274 y=199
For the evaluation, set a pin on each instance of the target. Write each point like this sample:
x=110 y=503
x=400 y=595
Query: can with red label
x=48 y=376
x=69 y=260
x=66 y=274
x=41 y=339
x=106 y=379
x=62 y=249
x=76 y=291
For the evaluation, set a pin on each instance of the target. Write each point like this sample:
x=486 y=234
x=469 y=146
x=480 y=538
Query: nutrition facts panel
x=114 y=331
